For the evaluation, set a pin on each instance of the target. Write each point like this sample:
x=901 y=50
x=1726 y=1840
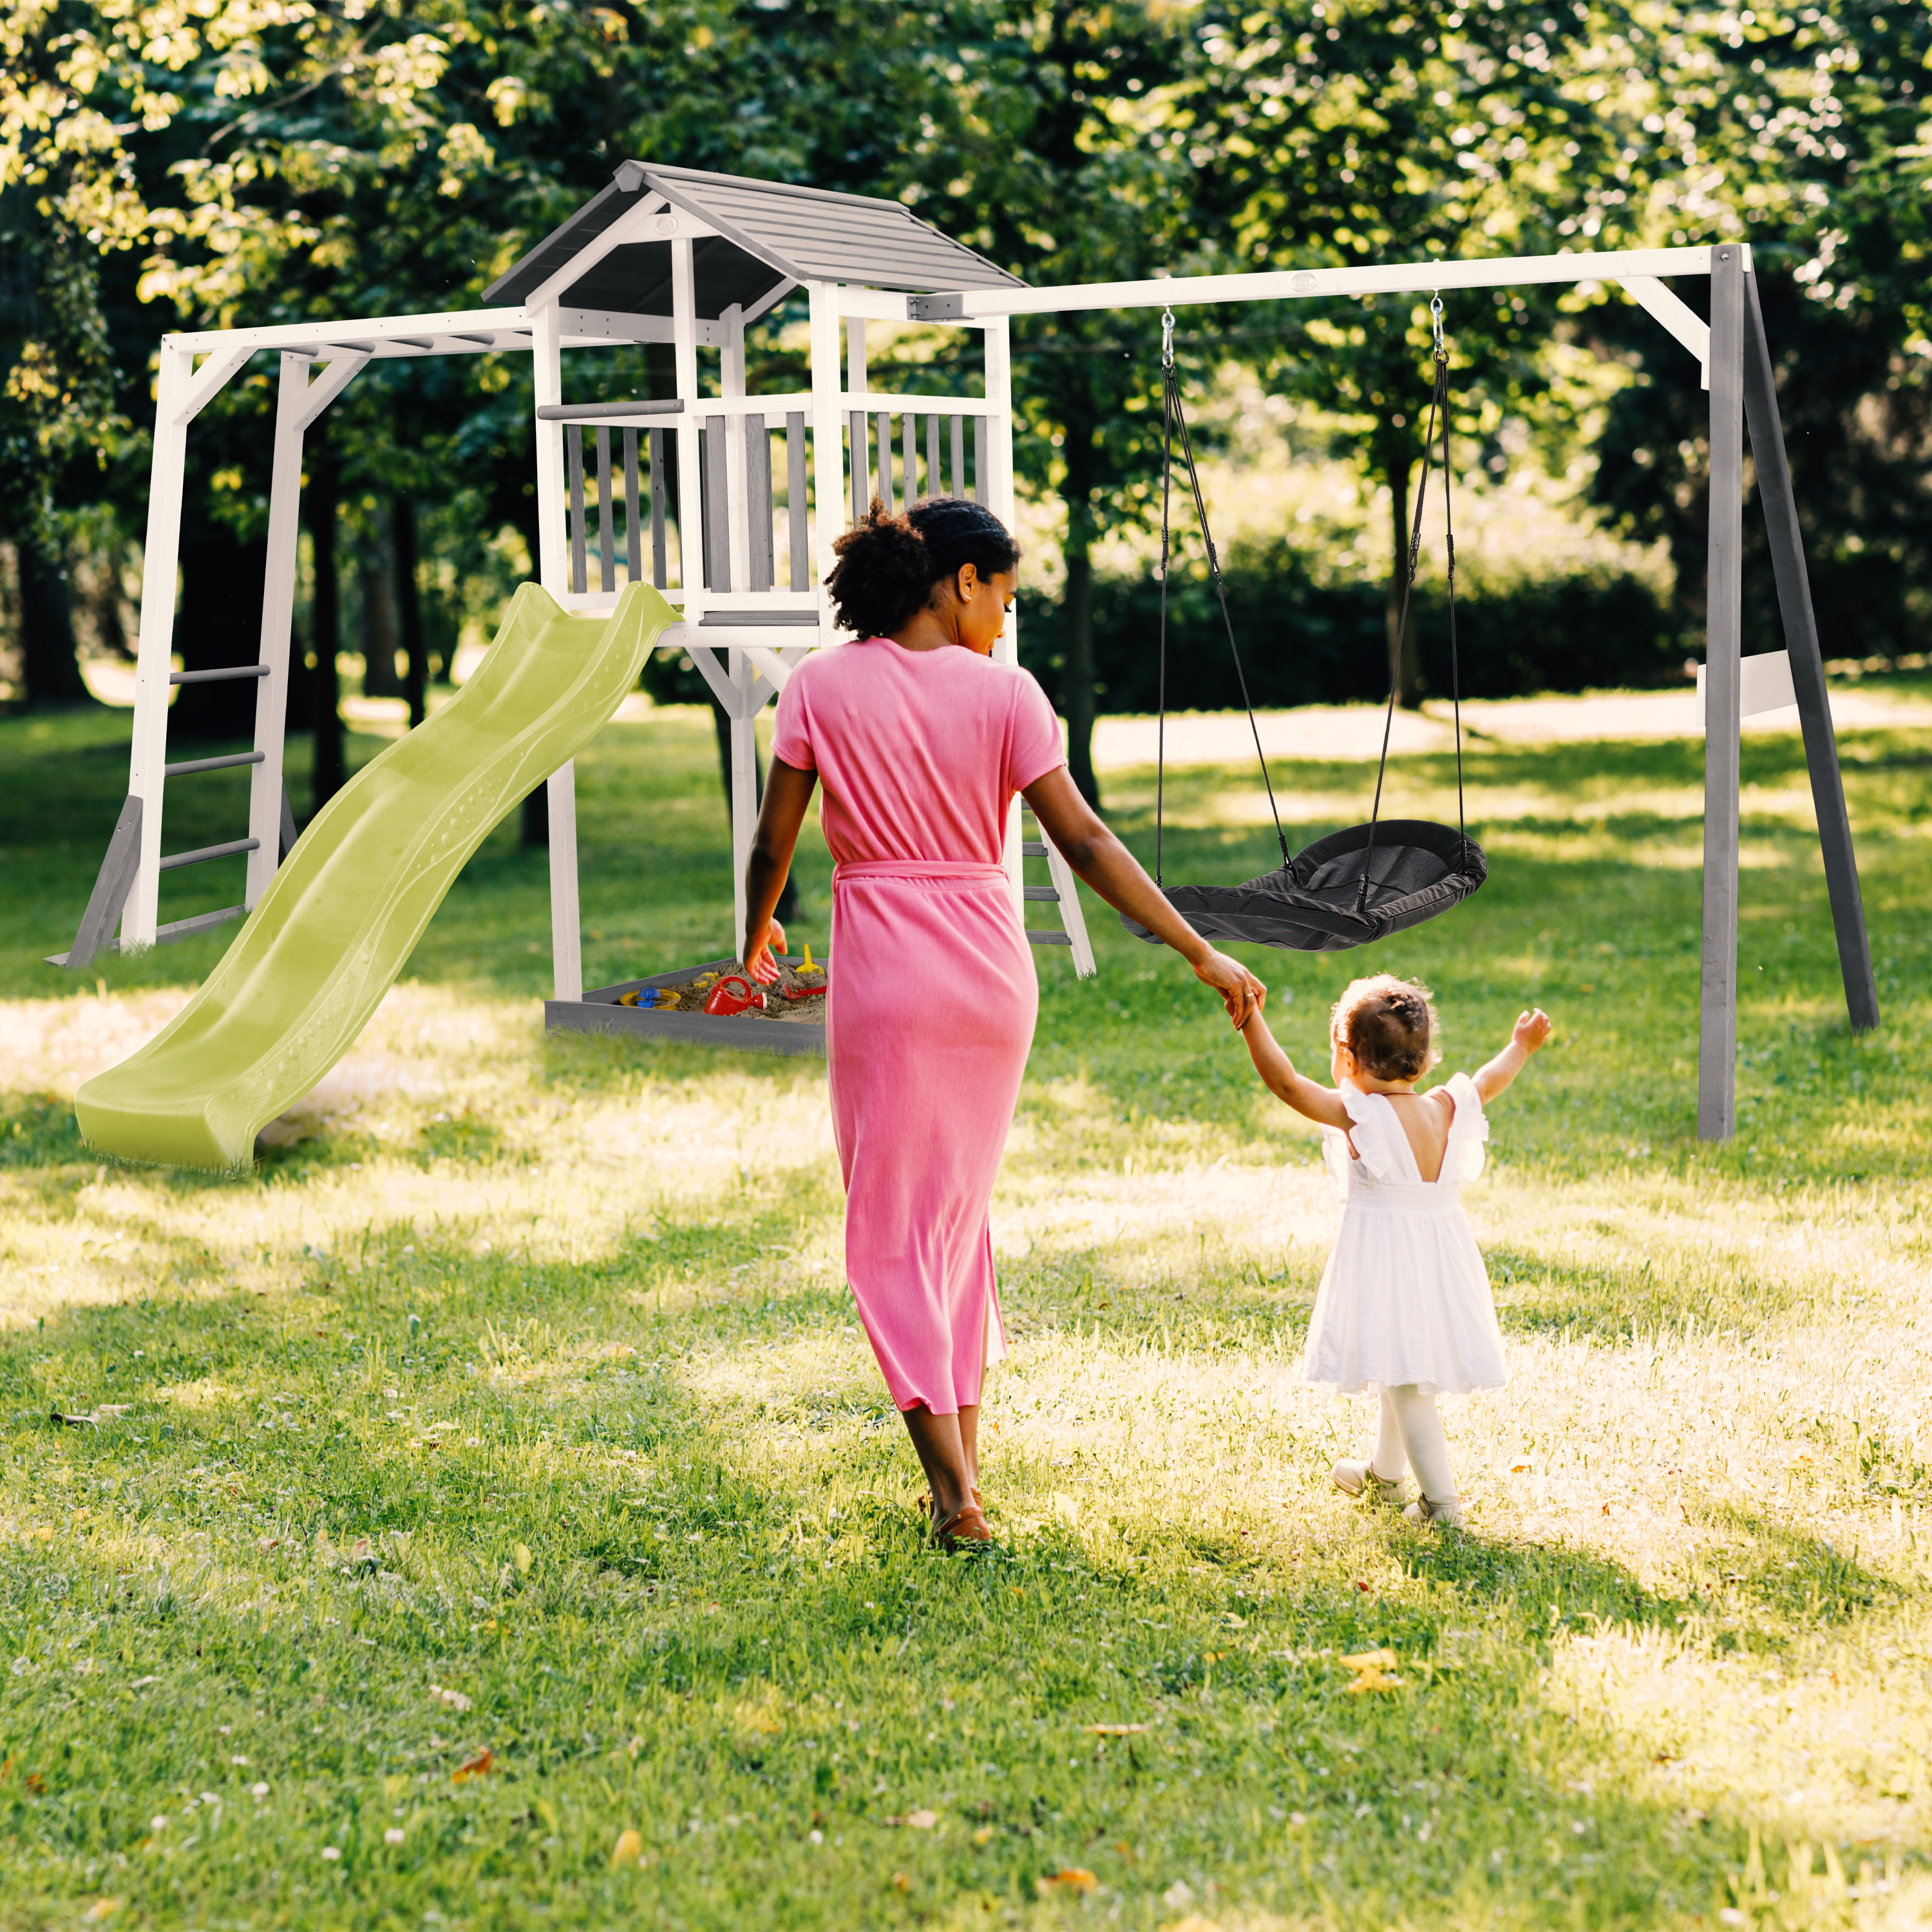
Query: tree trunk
x=1076 y=679
x=325 y=629
x=409 y=609
x=50 y=670
x=1406 y=675
x=220 y=627
x=376 y=569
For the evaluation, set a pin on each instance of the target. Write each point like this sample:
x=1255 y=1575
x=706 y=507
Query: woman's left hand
x=758 y=952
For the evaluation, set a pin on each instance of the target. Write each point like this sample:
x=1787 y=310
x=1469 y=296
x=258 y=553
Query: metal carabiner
x=1167 y=338
x=1435 y=316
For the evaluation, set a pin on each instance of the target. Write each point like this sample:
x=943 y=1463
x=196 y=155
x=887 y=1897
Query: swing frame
x=1737 y=371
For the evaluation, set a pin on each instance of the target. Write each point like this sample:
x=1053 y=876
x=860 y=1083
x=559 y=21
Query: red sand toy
x=721 y=1002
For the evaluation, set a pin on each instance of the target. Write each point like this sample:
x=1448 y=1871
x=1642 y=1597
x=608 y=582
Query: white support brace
x=1676 y=315
x=829 y=491
x=210 y=379
x=341 y=369
x=744 y=789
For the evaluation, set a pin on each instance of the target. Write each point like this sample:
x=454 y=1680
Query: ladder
x=1062 y=892
x=127 y=891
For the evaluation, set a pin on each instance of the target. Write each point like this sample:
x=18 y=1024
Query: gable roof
x=769 y=233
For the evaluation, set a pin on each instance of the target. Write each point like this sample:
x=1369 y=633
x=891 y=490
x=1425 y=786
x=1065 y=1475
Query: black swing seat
x=1315 y=903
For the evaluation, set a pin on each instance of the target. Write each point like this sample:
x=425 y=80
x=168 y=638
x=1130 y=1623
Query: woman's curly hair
x=1389 y=1025
x=888 y=564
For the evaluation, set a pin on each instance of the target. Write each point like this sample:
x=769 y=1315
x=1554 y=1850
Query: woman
x=922 y=741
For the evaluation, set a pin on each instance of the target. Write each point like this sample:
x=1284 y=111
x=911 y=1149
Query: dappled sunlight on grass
x=515 y=1404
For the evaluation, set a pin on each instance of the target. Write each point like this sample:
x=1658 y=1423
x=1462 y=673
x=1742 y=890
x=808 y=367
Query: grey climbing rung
x=216 y=677
x=1032 y=848
x=210 y=852
x=187 y=765
x=1040 y=893
x=1039 y=938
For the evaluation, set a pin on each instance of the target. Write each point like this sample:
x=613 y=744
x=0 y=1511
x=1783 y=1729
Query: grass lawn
x=495 y=1518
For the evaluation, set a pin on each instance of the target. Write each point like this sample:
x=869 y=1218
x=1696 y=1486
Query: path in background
x=1355 y=731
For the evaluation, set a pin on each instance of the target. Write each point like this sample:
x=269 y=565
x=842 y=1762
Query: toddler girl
x=1404 y=1303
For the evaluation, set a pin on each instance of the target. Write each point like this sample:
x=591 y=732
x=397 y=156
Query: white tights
x=1411 y=1437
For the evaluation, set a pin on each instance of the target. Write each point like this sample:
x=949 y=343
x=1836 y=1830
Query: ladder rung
x=215 y=676
x=1032 y=848
x=1039 y=938
x=187 y=765
x=1040 y=893
x=210 y=852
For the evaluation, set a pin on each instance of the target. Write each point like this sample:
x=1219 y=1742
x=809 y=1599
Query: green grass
x=516 y=1404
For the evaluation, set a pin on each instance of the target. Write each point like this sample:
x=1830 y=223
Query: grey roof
x=769 y=232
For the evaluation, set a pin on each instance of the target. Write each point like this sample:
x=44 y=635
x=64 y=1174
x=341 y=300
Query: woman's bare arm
x=787 y=793
x=1531 y=1030
x=1100 y=858
x=1321 y=1104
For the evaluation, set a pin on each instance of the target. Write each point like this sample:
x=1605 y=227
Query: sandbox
x=783 y=1026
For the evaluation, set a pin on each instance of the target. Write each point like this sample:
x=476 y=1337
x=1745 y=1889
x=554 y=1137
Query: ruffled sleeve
x=1380 y=1143
x=1462 y=1158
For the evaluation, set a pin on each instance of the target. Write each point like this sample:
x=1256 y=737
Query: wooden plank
x=760 y=555
x=114 y=881
x=690 y=442
x=862 y=481
x=886 y=461
x=828 y=478
x=566 y=931
x=634 y=534
x=978 y=492
x=660 y=567
x=935 y=483
x=909 y=445
x=607 y=554
x=573 y=464
x=957 y=486
x=1806 y=662
x=795 y=503
x=717 y=512
x=278 y=601
x=1717 y=998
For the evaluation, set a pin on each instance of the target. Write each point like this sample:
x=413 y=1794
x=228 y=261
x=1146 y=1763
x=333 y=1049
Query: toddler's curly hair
x=1389 y=1025
x=888 y=565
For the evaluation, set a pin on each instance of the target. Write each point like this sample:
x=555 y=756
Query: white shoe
x=1353 y=1479
x=1448 y=1510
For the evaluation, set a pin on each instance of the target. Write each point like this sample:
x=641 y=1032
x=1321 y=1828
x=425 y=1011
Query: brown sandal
x=967 y=1524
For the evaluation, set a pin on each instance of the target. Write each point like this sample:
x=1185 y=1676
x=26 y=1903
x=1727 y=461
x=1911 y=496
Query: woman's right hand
x=758 y=952
x=1241 y=993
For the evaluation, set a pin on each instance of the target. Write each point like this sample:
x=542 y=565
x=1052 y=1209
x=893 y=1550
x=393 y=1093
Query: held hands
x=1532 y=1029
x=758 y=952
x=1241 y=993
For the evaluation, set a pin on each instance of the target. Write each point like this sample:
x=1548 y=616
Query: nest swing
x=1369 y=880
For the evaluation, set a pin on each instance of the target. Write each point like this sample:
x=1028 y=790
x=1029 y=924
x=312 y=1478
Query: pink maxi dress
x=933 y=995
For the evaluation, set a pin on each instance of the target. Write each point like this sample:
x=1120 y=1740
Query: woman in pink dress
x=921 y=740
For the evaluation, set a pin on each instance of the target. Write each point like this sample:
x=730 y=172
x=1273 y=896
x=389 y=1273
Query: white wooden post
x=828 y=436
x=996 y=493
x=278 y=605
x=552 y=562
x=154 y=664
x=737 y=493
x=856 y=383
x=744 y=787
x=690 y=489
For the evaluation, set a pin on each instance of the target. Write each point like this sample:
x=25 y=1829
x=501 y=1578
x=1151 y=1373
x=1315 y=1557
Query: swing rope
x=1438 y=410
x=1175 y=416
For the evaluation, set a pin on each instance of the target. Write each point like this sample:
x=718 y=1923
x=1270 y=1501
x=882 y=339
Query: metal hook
x=1435 y=315
x=1167 y=338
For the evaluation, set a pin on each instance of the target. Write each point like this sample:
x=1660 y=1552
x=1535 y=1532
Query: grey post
x=1717 y=1001
x=116 y=879
x=1808 y=667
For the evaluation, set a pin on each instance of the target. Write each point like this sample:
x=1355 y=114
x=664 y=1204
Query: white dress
x=1406 y=1298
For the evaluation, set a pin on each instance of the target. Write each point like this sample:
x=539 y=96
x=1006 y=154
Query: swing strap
x=1439 y=411
x=1174 y=418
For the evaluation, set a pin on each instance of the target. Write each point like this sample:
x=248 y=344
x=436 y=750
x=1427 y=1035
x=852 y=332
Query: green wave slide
x=341 y=917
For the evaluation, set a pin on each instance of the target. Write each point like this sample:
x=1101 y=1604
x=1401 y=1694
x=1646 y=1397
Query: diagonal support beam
x=1808 y=667
x=209 y=380
x=1675 y=314
x=111 y=888
x=336 y=374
